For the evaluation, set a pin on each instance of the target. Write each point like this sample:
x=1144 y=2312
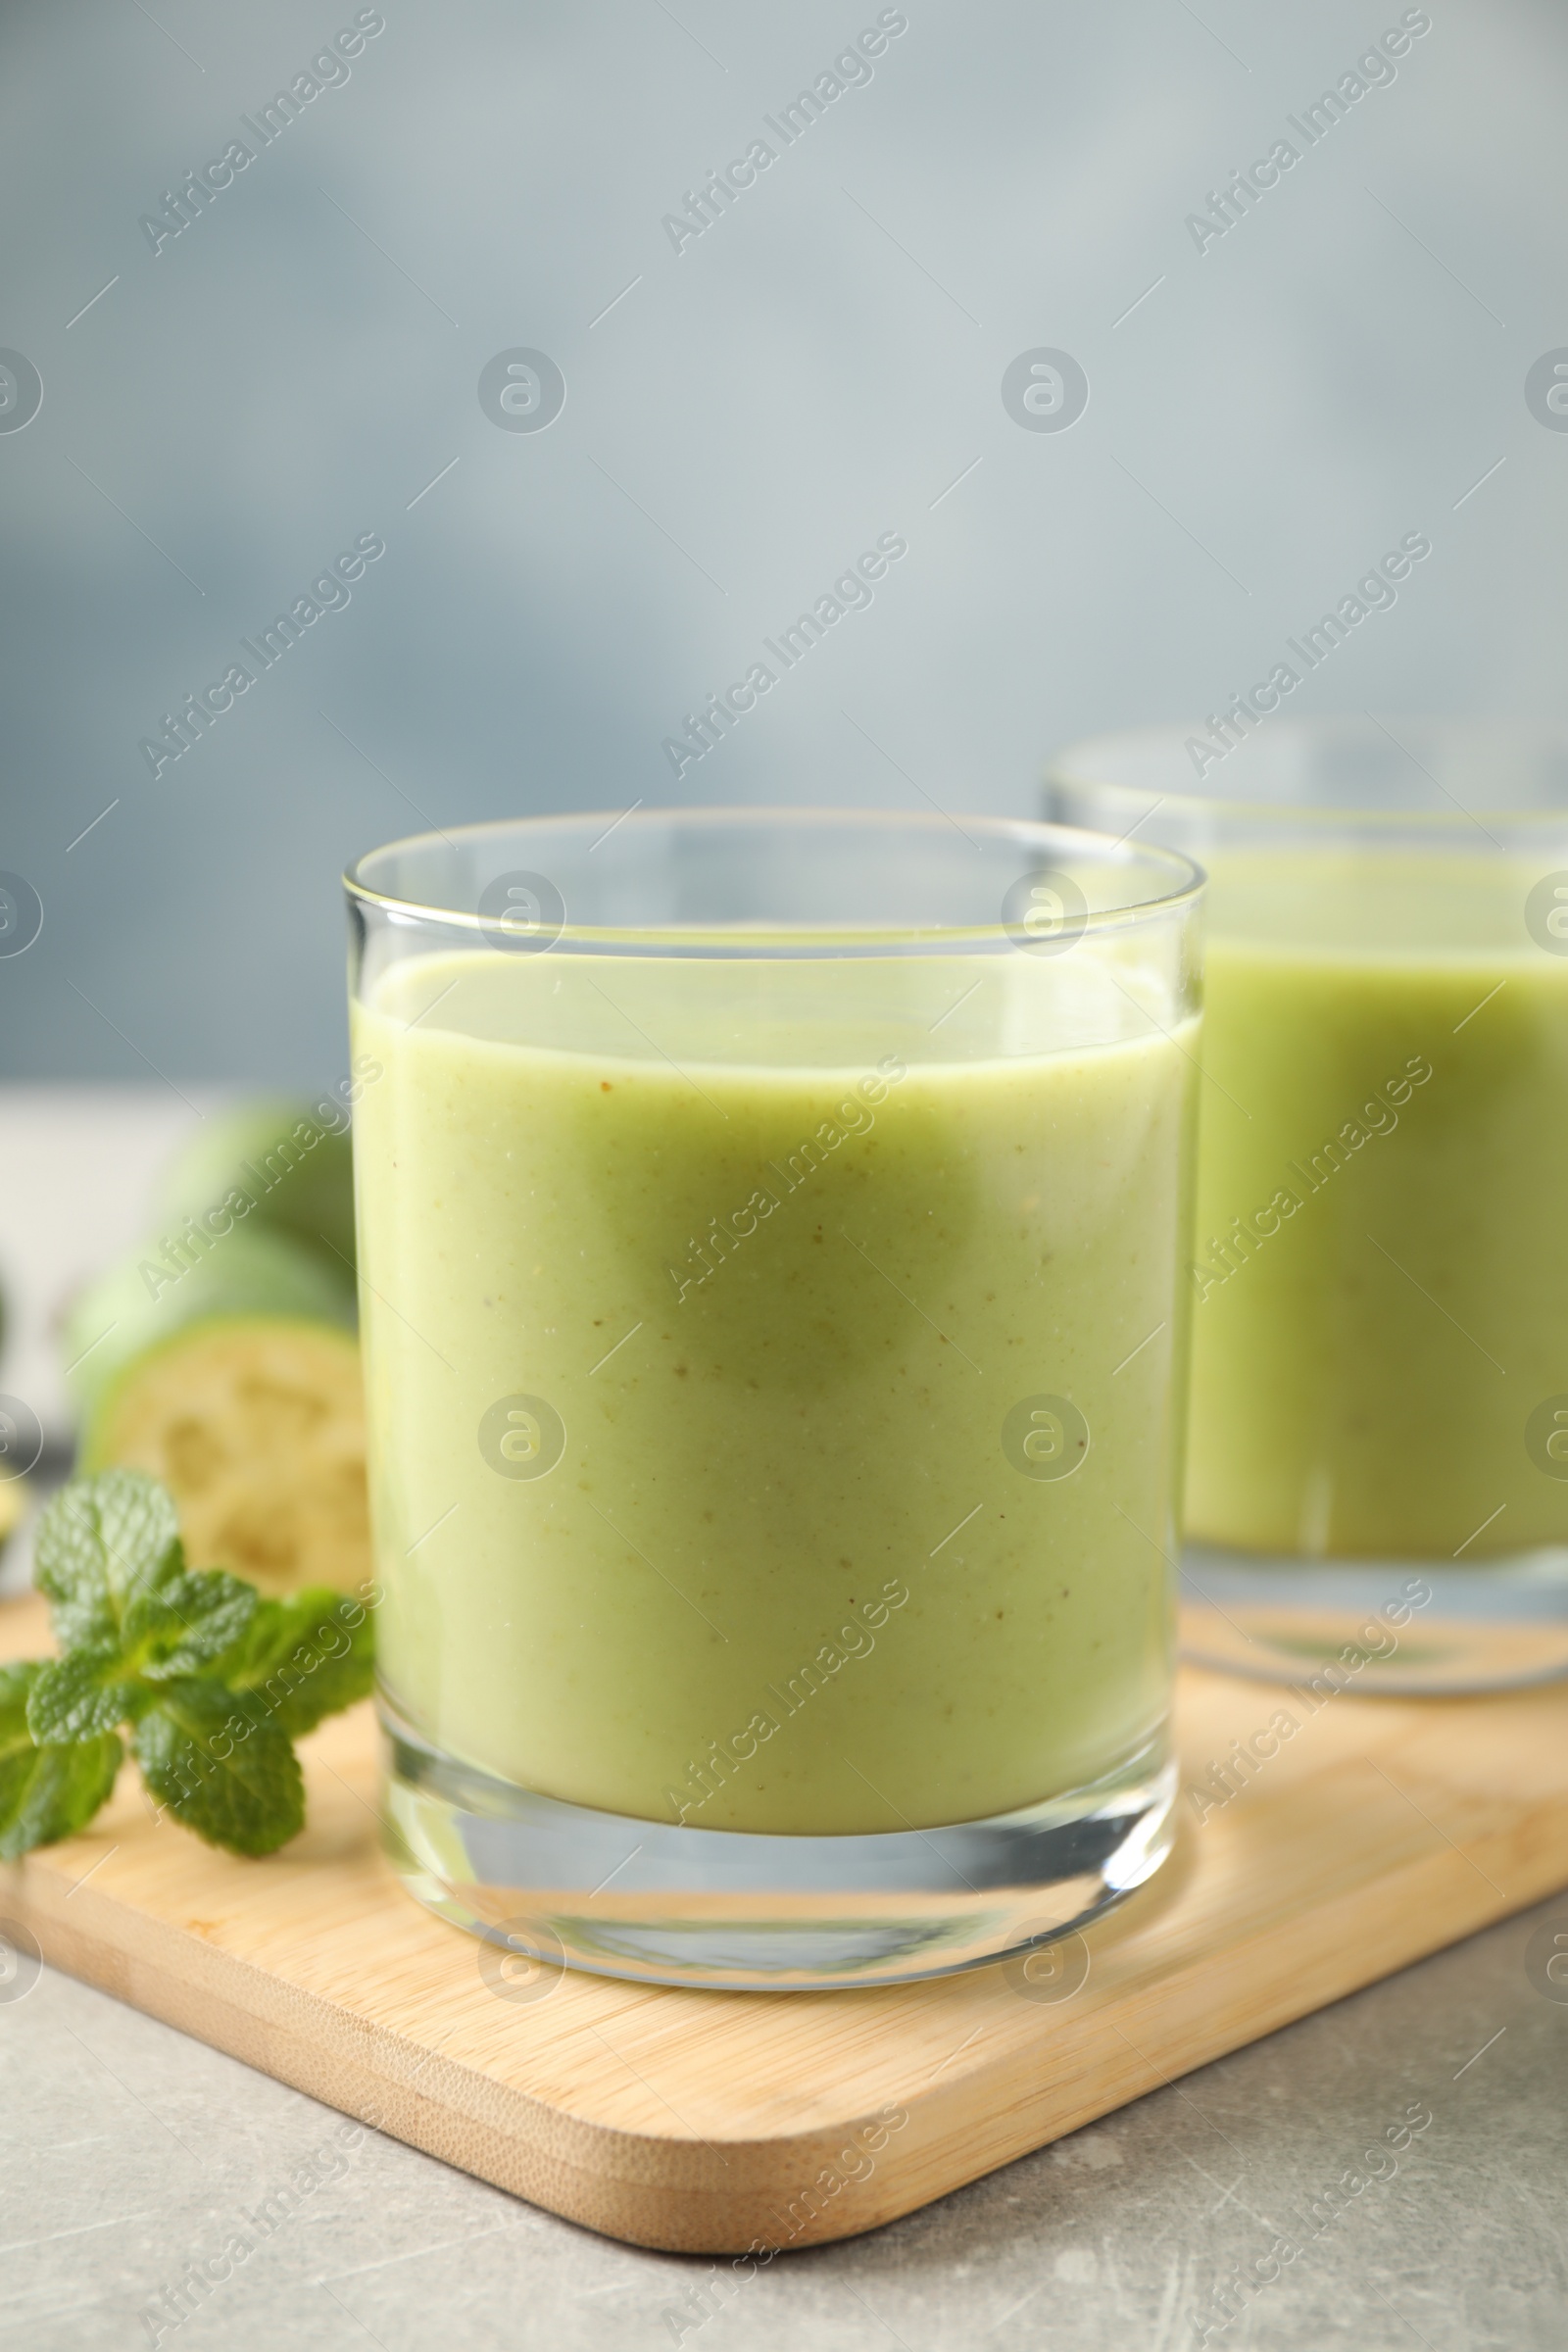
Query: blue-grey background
x=819 y=367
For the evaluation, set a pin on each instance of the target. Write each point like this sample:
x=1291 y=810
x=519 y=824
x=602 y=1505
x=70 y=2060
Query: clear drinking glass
x=1377 y=1480
x=773 y=1235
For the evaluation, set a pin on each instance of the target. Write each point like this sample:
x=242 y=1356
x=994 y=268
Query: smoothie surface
x=1381 y=1248
x=778 y=1246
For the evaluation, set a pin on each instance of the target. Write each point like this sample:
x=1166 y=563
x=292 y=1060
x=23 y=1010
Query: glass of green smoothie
x=1377 y=1477
x=773 y=1246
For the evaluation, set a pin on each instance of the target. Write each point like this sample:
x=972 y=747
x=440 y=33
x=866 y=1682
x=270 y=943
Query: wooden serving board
x=707 y=2122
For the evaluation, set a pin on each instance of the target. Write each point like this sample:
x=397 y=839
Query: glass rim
x=1186 y=879
x=1073 y=768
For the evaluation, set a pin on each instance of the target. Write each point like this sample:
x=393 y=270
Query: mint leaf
x=80 y=1696
x=51 y=1792
x=46 y=1793
x=16 y=1682
x=101 y=1543
x=233 y=1780
x=217 y=1682
x=305 y=1657
x=188 y=1624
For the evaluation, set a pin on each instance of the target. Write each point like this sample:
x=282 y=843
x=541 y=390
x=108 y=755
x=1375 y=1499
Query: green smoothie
x=695 y=1300
x=1381 y=1244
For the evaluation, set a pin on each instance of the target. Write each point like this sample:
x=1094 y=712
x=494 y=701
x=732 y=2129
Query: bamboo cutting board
x=1379 y=1831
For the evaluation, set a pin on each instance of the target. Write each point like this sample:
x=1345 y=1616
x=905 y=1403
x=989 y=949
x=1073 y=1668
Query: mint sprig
x=214 y=1683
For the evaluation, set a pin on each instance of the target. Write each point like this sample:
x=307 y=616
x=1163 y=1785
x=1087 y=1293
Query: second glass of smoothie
x=773 y=1233
x=1377 y=1490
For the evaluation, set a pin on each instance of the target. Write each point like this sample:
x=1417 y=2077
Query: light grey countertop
x=130 y=2153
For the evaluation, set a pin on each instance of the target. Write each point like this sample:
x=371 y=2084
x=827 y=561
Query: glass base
x=549 y=1885
x=1385 y=1628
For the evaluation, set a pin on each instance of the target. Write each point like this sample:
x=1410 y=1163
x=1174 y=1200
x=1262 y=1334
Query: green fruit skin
x=311 y=1201
x=116 y=1320
x=92 y=1446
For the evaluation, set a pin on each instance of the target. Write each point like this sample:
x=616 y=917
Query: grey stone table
x=130 y=2155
